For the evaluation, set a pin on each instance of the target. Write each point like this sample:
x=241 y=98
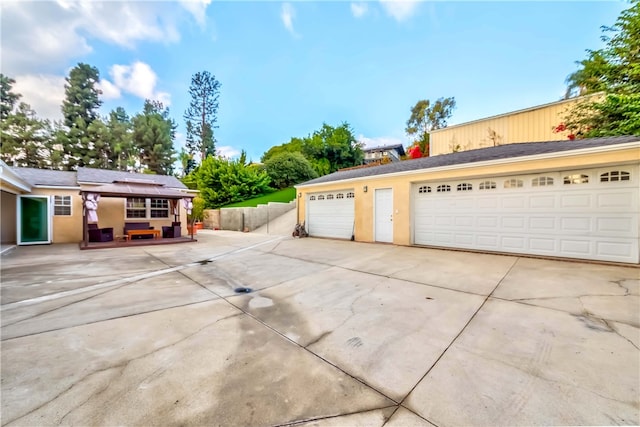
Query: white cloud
x=359 y=9
x=197 y=8
x=45 y=36
x=287 y=14
x=227 y=151
x=109 y=90
x=379 y=141
x=400 y=10
x=138 y=79
x=43 y=92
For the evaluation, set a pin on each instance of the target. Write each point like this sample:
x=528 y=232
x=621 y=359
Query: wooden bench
x=131 y=233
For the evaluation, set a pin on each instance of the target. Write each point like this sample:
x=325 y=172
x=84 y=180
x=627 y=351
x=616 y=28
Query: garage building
x=566 y=199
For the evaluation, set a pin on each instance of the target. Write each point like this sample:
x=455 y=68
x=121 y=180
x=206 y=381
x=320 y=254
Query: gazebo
x=127 y=189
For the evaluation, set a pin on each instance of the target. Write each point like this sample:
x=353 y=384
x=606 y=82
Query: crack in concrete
x=330 y=417
x=122 y=367
x=614 y=330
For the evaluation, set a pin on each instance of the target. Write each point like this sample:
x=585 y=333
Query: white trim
x=472 y=165
x=147 y=207
x=9 y=176
x=524 y=110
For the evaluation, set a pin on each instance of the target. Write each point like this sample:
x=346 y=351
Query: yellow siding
x=402 y=184
x=531 y=125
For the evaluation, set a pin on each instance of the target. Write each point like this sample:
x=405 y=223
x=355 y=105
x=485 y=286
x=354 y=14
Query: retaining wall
x=245 y=219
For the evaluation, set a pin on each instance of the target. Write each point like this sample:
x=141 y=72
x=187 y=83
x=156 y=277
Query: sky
x=286 y=68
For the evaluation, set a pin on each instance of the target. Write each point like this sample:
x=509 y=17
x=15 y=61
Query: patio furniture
x=129 y=226
x=143 y=234
x=172 y=231
x=100 y=234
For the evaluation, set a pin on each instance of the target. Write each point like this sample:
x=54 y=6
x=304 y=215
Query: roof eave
x=470 y=165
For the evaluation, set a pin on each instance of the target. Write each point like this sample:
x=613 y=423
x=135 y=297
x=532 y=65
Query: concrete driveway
x=334 y=333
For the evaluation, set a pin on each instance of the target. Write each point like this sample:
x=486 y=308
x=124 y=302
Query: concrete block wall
x=248 y=219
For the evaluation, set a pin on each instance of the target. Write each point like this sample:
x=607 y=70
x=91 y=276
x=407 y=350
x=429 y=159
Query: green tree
x=327 y=149
x=614 y=70
x=222 y=181
x=290 y=168
x=426 y=117
x=8 y=99
x=153 y=135
x=187 y=163
x=120 y=136
x=295 y=145
x=80 y=110
x=201 y=116
x=24 y=138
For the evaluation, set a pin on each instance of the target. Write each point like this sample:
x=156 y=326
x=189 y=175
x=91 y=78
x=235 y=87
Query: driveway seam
x=455 y=339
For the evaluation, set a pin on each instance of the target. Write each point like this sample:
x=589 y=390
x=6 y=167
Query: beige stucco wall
x=8 y=217
x=111 y=213
x=531 y=125
x=402 y=184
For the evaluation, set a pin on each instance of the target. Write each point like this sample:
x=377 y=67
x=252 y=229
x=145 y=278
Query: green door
x=34 y=220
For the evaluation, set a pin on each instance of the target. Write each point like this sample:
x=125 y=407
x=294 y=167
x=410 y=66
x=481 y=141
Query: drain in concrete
x=242 y=290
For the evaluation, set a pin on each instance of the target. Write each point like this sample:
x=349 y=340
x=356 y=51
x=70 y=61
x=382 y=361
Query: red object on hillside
x=571 y=136
x=414 y=152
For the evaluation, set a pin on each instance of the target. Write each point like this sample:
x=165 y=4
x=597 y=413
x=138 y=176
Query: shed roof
x=122 y=189
x=479 y=155
x=93 y=175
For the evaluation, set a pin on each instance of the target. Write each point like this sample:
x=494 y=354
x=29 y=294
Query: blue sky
x=287 y=67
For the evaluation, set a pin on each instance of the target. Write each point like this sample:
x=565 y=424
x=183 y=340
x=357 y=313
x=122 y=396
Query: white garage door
x=331 y=214
x=587 y=214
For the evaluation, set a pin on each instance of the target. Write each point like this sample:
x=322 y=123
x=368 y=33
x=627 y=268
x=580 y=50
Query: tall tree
x=82 y=96
x=8 y=98
x=153 y=135
x=120 y=140
x=201 y=116
x=24 y=138
x=426 y=117
x=80 y=110
x=614 y=70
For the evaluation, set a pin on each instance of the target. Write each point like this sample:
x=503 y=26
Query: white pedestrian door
x=384 y=215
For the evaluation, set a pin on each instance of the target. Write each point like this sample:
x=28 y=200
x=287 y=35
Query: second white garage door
x=331 y=214
x=588 y=214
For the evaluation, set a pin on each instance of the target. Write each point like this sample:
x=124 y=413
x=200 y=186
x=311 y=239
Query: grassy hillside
x=283 y=196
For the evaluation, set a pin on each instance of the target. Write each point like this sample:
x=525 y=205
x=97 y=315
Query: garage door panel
x=330 y=214
x=595 y=219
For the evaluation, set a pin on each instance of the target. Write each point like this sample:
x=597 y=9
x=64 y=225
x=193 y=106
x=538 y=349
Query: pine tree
x=80 y=110
x=153 y=135
x=201 y=116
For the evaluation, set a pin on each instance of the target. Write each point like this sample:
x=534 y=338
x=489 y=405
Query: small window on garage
x=62 y=205
x=576 y=179
x=321 y=197
x=513 y=183
x=350 y=195
x=339 y=196
x=312 y=198
x=329 y=196
x=542 y=181
x=424 y=189
x=487 y=185
x=443 y=188
x=615 y=176
x=465 y=186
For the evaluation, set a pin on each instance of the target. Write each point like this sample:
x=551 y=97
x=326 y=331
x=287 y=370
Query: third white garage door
x=331 y=214
x=588 y=214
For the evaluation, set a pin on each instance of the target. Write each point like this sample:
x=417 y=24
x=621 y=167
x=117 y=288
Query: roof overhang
x=11 y=181
x=494 y=162
x=125 y=190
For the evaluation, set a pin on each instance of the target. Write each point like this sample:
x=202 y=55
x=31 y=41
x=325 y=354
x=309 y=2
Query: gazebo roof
x=136 y=189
